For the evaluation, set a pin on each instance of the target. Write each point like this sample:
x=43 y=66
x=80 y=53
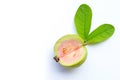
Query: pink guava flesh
x=70 y=51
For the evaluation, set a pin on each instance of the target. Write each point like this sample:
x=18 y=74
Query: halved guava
x=70 y=50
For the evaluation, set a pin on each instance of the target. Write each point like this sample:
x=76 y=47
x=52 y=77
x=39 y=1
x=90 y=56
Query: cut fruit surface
x=70 y=50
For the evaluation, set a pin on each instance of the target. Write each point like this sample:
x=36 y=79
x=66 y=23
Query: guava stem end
x=56 y=59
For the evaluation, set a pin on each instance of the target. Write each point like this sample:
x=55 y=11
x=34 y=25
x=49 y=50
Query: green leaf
x=82 y=20
x=100 y=34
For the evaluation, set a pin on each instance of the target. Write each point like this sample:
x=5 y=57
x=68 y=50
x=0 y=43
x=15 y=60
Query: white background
x=29 y=29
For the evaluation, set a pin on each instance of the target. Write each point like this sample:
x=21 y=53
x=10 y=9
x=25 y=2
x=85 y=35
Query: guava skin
x=80 y=41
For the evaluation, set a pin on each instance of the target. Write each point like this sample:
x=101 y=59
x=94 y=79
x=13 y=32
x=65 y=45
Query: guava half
x=70 y=50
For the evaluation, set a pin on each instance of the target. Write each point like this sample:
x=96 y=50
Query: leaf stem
x=85 y=43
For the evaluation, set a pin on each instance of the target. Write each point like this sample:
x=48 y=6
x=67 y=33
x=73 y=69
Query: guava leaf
x=82 y=21
x=100 y=34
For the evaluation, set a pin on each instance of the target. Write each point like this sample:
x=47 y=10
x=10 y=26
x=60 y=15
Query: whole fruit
x=70 y=50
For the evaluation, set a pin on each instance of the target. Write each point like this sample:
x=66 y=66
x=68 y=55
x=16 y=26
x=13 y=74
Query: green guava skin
x=68 y=37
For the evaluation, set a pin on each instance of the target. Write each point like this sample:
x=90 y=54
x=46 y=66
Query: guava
x=70 y=50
